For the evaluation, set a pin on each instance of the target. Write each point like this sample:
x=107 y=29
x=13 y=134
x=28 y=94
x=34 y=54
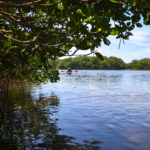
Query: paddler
x=69 y=70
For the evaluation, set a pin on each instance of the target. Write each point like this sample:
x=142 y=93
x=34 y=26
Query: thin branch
x=23 y=42
x=48 y=5
x=34 y=48
x=29 y=4
x=81 y=55
x=73 y=52
x=9 y=15
x=55 y=45
x=7 y=51
x=6 y=31
x=95 y=32
x=88 y=54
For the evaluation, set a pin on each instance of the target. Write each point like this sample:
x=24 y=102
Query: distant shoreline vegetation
x=109 y=63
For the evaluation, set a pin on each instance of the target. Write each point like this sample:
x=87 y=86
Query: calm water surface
x=88 y=110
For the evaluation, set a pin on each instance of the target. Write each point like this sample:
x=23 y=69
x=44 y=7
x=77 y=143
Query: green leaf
x=27 y=34
x=99 y=29
x=79 y=11
x=114 y=31
x=60 y=7
x=139 y=25
x=83 y=44
x=115 y=1
x=69 y=28
x=68 y=47
x=99 y=55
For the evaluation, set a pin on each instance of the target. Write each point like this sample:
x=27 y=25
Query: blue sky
x=137 y=47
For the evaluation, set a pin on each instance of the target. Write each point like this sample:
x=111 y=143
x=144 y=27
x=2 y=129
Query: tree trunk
x=4 y=85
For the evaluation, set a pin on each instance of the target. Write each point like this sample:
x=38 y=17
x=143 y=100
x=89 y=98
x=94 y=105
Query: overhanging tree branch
x=22 y=42
x=9 y=15
x=29 y=4
x=6 y=31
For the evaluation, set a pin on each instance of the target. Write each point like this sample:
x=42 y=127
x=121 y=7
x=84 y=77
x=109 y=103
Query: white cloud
x=146 y=50
x=141 y=37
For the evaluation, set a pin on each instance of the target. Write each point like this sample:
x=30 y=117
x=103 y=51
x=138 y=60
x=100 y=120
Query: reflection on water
x=26 y=122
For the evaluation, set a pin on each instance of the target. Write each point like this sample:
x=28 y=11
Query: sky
x=137 y=47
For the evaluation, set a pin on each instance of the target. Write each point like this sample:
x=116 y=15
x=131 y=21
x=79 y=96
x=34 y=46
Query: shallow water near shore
x=87 y=110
